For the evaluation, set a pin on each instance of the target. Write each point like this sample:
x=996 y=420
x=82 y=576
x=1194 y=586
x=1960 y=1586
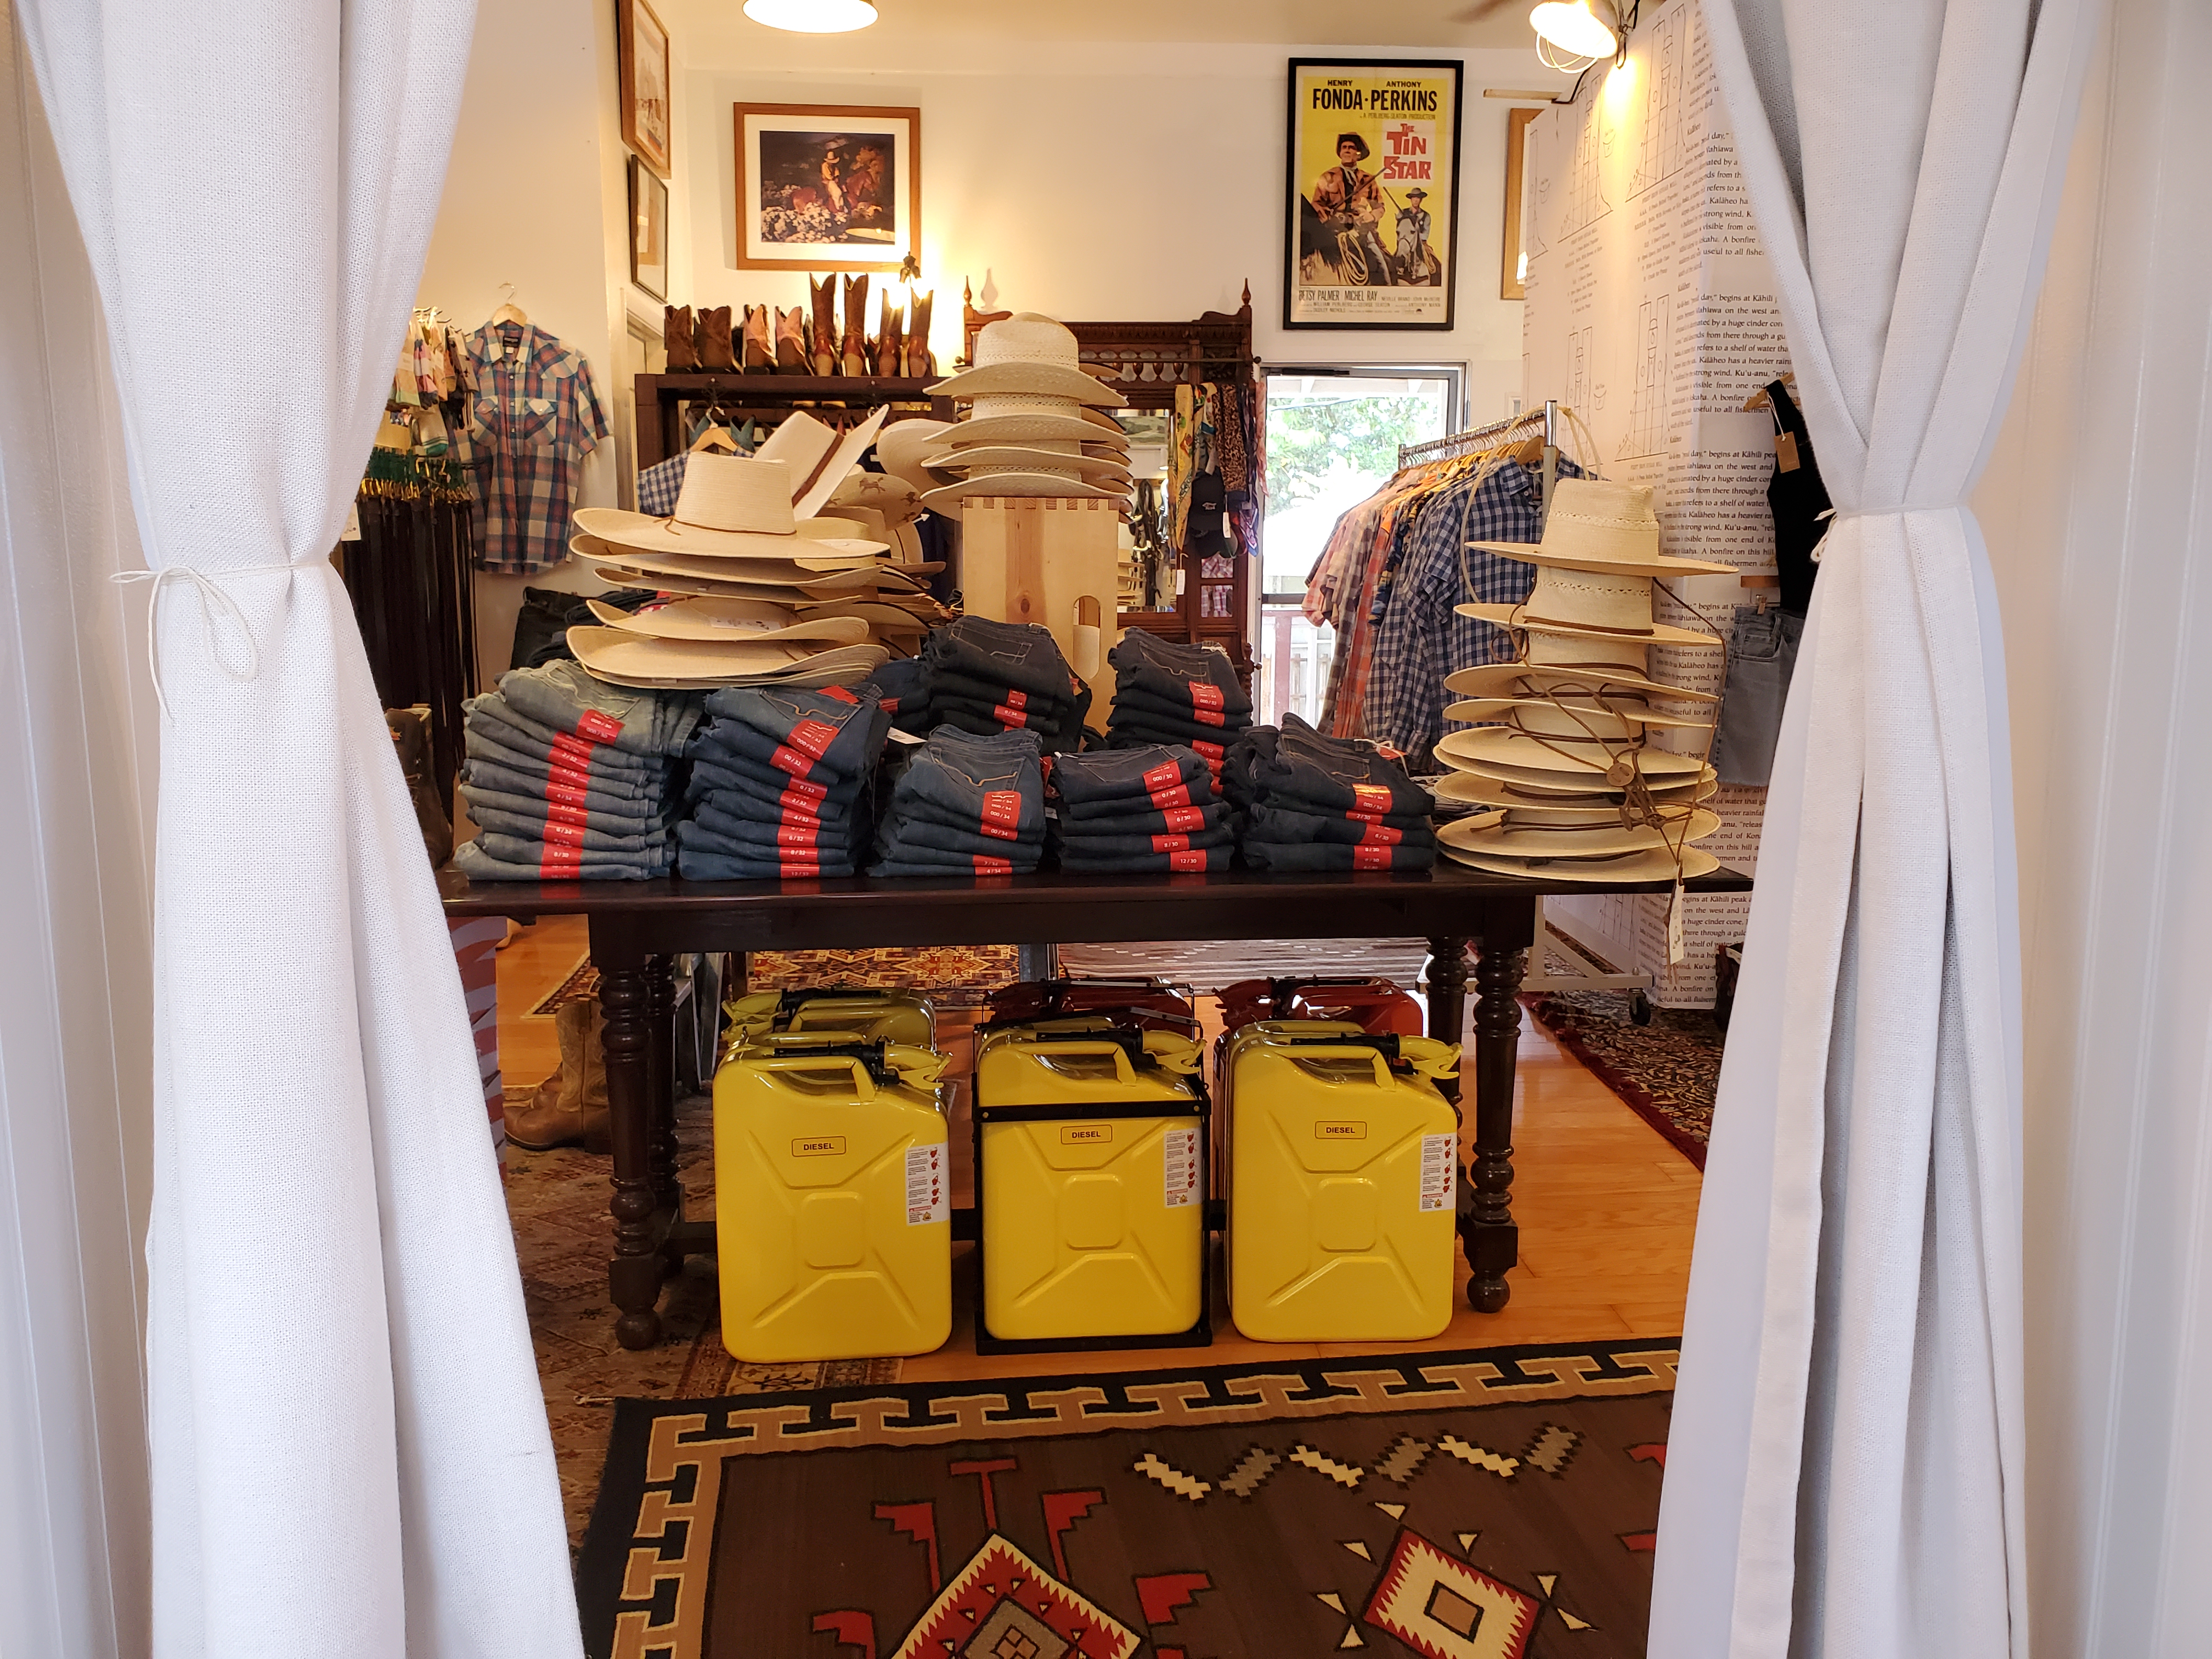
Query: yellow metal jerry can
x=832 y=1200
x=1343 y=1172
x=1090 y=1171
x=867 y=1013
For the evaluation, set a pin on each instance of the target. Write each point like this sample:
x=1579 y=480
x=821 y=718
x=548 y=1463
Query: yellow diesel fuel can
x=832 y=1200
x=1090 y=1150
x=901 y=1016
x=1343 y=1172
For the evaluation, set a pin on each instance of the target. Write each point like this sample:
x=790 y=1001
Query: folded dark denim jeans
x=706 y=863
x=1183 y=675
x=570 y=766
x=1132 y=702
x=981 y=869
x=1195 y=861
x=817 y=735
x=520 y=849
x=1252 y=748
x=905 y=858
x=555 y=788
x=975 y=780
x=1099 y=818
x=1134 y=731
x=902 y=690
x=562 y=696
x=950 y=683
x=1335 y=774
x=513 y=815
x=492 y=821
x=492 y=719
x=816 y=839
x=904 y=833
x=1166 y=775
x=1039 y=717
x=1762 y=658
x=543 y=863
x=1020 y=654
x=774 y=793
x=1273 y=820
x=1028 y=824
x=1317 y=855
x=1105 y=846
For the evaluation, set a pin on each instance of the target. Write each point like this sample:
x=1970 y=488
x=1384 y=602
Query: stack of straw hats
x=776 y=593
x=1562 y=764
x=1036 y=423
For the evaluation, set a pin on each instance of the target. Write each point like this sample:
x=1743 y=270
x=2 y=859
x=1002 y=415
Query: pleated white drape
x=1845 y=1471
x=349 y=1457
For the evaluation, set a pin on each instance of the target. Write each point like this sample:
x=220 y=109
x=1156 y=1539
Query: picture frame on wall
x=1373 y=229
x=1512 y=268
x=642 y=54
x=648 y=229
x=827 y=186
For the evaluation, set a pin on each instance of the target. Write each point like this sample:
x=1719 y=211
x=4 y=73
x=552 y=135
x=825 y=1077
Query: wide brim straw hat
x=1481 y=789
x=1018 y=484
x=1515 y=616
x=1572 y=683
x=1655 y=865
x=1550 y=714
x=1597 y=525
x=901 y=445
x=1498 y=834
x=1036 y=426
x=804 y=560
x=1028 y=354
x=627 y=658
x=1514 y=756
x=732 y=621
x=1025 y=460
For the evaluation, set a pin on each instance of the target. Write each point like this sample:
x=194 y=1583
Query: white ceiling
x=713 y=24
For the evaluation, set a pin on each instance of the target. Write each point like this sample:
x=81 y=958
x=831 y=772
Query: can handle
x=1348 y=1050
x=1125 y=1073
x=862 y=1083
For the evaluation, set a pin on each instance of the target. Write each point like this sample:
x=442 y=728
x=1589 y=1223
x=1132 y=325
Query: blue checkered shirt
x=1420 y=638
x=660 y=484
x=535 y=416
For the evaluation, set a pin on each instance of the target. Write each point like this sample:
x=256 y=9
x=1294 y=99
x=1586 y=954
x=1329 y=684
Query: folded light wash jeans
x=1761 y=659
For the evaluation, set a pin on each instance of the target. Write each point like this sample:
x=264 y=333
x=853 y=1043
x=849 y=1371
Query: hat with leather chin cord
x=1508 y=832
x=1064 y=458
x=1584 y=761
x=1030 y=426
x=631 y=659
x=1655 y=864
x=1483 y=789
x=732 y=621
x=1029 y=353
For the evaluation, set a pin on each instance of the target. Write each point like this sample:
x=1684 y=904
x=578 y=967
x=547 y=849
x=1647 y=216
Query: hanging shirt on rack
x=537 y=414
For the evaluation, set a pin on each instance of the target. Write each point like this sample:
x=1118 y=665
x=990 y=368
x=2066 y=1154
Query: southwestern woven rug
x=1497 y=1504
x=1665 y=1072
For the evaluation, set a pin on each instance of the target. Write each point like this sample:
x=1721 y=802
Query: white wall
x=1108 y=181
x=77 y=783
x=2098 y=508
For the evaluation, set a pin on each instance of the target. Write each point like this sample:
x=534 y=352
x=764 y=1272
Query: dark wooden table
x=637 y=928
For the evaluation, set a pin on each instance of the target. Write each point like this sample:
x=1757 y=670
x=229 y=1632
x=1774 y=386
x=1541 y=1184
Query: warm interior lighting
x=1571 y=31
x=816 y=17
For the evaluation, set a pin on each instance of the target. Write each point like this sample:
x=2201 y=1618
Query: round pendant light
x=812 y=17
x=1569 y=28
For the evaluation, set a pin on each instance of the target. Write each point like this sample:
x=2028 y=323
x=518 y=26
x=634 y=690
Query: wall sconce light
x=1572 y=37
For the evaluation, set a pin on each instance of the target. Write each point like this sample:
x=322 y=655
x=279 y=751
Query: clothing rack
x=1529 y=422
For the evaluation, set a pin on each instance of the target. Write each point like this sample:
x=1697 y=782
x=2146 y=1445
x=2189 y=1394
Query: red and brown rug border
x=1559 y=1021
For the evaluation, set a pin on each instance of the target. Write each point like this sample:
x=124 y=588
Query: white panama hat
x=1030 y=426
x=1597 y=525
x=1068 y=459
x=1519 y=757
x=1481 y=789
x=731 y=621
x=1624 y=719
x=1029 y=353
x=1510 y=832
x=1570 y=682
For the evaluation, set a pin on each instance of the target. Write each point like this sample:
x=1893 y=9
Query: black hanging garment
x=1797 y=498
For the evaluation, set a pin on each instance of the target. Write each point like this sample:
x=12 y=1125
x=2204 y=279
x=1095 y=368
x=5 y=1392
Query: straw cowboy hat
x=1481 y=789
x=901 y=444
x=1063 y=458
x=986 y=484
x=1029 y=425
x=1655 y=865
x=1597 y=668
x=1586 y=762
x=1511 y=832
x=630 y=659
x=1028 y=354
x=732 y=621
x=1596 y=525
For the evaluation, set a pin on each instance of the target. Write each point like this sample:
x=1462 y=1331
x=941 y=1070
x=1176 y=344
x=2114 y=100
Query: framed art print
x=828 y=188
x=642 y=43
x=1512 y=262
x=1373 y=222
x=649 y=230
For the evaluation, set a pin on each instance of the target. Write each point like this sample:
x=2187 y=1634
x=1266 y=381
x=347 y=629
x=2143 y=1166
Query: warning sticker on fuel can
x=1180 y=1183
x=1439 y=1163
x=927 y=1197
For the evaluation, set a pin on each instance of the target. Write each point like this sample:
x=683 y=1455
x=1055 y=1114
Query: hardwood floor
x=1607 y=1207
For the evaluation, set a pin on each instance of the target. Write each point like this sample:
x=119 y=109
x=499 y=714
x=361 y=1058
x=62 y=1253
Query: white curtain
x=1845 y=1470
x=349 y=1455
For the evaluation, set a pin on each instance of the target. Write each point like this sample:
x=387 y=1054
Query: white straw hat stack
x=775 y=591
x=1561 y=763
x=1035 y=422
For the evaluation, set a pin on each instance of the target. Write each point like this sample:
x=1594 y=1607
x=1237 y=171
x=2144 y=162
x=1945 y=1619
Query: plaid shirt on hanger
x=535 y=416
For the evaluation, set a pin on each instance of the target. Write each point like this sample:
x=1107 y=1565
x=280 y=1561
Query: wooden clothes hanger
x=1759 y=400
x=508 y=312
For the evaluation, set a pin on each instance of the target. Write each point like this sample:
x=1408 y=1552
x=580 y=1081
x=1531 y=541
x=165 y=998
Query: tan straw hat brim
x=1518 y=679
x=1516 y=618
x=1031 y=380
x=1018 y=484
x=732 y=621
x=1533 y=553
x=1029 y=428
x=1089 y=465
x=611 y=652
x=1491 y=748
x=1481 y=789
x=1651 y=865
x=1500 y=840
x=1498 y=709
x=635 y=532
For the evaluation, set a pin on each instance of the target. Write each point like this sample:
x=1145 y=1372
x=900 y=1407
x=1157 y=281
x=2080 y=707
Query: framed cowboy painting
x=828 y=188
x=1372 y=233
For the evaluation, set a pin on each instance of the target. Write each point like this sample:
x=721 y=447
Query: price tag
x=1675 y=948
x=1785 y=451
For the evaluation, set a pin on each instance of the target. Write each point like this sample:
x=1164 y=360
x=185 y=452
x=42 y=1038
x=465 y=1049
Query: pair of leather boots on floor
x=570 y=1107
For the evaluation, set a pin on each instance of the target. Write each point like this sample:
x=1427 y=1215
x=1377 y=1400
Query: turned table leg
x=1447 y=978
x=1492 y=1239
x=661 y=1014
x=629 y=1039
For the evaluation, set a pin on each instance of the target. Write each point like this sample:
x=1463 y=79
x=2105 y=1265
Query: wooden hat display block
x=1041 y=559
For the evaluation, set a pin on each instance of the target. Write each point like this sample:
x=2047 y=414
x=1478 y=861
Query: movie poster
x=1374 y=194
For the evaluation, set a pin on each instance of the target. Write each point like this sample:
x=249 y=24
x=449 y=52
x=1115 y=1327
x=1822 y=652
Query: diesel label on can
x=818 y=1146
x=1339 y=1131
x=1085 y=1134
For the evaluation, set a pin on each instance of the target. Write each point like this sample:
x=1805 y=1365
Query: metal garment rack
x=1558 y=964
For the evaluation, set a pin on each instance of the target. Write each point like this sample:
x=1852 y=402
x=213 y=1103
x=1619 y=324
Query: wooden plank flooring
x=1607 y=1207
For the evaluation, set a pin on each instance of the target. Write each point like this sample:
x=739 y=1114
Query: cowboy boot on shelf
x=758 y=355
x=713 y=339
x=888 y=341
x=822 y=297
x=916 y=359
x=856 y=325
x=791 y=357
x=571 y=1106
x=675 y=332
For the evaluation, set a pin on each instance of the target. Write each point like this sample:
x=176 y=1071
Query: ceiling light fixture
x=812 y=17
x=1570 y=36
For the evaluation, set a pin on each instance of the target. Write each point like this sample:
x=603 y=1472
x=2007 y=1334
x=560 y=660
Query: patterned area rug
x=564 y=1236
x=1493 y=1504
x=1665 y=1072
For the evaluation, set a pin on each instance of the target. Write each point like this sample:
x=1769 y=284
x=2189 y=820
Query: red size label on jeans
x=560 y=863
x=1166 y=798
x=1380 y=834
x=572 y=750
x=786 y=865
x=1186 y=860
x=839 y=694
x=1370 y=801
x=1012 y=718
x=565 y=793
x=563 y=835
x=1209 y=717
x=1185 y=817
x=598 y=727
x=558 y=812
x=987 y=865
x=1370 y=858
x=1212 y=751
x=1171 y=843
x=1016 y=699
x=812 y=737
x=788 y=834
x=1001 y=811
x=1204 y=694
x=798 y=810
x=1161 y=776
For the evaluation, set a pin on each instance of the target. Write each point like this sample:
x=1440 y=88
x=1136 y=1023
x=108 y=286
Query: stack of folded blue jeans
x=966 y=804
x=986 y=677
x=569 y=778
x=1165 y=693
x=902 y=687
x=1310 y=802
x=1132 y=811
x=782 y=784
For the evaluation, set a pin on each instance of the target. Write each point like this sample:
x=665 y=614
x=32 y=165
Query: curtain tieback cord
x=214 y=597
